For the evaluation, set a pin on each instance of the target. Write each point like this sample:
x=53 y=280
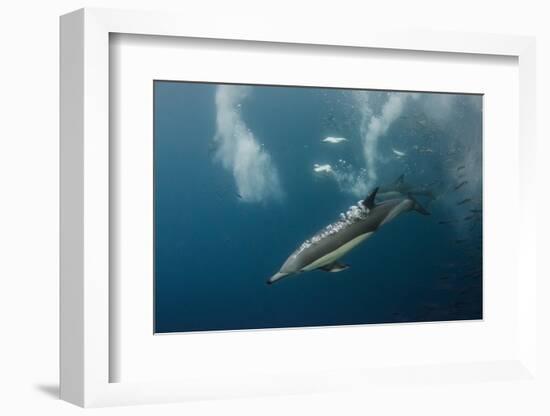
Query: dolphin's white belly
x=336 y=254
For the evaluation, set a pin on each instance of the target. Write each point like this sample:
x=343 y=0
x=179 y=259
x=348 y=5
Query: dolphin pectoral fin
x=276 y=277
x=335 y=267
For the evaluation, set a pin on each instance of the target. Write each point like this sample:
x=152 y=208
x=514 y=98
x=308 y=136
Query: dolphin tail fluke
x=419 y=208
x=276 y=277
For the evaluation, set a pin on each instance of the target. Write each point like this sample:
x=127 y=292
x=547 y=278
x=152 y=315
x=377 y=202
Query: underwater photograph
x=289 y=206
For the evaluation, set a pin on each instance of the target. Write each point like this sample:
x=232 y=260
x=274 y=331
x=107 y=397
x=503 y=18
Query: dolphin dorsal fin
x=368 y=202
x=400 y=179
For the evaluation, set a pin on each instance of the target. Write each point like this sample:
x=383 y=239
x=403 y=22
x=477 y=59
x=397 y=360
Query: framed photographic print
x=271 y=214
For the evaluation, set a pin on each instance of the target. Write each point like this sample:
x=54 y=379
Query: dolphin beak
x=275 y=277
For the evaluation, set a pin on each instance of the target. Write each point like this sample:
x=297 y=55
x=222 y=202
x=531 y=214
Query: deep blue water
x=236 y=192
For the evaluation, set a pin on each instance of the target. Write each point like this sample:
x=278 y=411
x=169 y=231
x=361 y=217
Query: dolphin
x=361 y=221
x=399 y=189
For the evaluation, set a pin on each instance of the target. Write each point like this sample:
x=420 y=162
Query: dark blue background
x=214 y=252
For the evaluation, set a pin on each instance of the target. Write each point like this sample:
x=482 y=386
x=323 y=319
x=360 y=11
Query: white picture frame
x=85 y=220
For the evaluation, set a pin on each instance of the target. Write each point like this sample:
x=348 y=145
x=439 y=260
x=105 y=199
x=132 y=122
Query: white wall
x=29 y=186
